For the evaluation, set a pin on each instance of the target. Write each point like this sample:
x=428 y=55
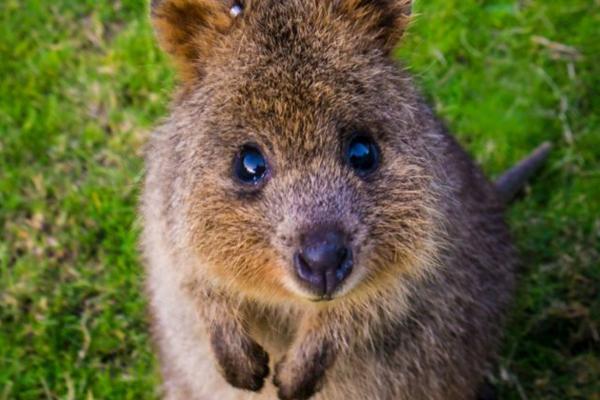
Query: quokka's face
x=304 y=173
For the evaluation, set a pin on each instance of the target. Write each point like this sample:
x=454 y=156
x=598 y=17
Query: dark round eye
x=363 y=154
x=250 y=165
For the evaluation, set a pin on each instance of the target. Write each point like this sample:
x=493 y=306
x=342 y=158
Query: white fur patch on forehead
x=236 y=10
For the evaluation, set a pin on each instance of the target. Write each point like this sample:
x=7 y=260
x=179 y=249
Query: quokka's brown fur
x=420 y=315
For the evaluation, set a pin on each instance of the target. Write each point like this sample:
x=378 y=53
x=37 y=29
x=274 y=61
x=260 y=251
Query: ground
x=81 y=85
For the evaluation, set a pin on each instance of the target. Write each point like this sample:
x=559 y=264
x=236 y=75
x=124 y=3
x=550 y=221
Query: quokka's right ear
x=386 y=20
x=189 y=29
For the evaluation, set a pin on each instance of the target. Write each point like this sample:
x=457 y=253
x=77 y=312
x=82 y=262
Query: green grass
x=82 y=83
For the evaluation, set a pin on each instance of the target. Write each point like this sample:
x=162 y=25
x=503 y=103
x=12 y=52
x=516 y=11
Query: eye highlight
x=362 y=154
x=250 y=166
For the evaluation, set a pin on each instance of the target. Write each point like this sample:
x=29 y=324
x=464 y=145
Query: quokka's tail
x=513 y=180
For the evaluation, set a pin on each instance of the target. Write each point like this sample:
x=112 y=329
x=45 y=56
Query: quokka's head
x=298 y=151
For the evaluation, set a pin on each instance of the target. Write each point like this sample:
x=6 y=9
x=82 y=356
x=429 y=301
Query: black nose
x=324 y=260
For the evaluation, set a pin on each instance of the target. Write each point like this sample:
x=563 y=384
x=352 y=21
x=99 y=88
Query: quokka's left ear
x=189 y=29
x=387 y=20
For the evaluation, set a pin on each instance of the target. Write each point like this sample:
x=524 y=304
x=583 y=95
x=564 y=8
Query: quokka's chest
x=273 y=329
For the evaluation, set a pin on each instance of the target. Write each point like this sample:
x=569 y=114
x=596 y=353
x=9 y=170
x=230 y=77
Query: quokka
x=311 y=230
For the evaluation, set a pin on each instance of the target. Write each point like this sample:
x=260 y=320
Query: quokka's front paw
x=300 y=379
x=243 y=363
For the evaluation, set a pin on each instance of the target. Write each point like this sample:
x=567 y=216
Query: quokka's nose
x=324 y=260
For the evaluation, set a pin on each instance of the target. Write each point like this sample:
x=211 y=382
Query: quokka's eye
x=362 y=154
x=250 y=166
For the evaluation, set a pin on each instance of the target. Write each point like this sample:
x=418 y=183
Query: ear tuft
x=188 y=30
x=386 y=19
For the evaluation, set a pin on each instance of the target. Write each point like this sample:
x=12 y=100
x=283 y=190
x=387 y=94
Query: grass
x=82 y=83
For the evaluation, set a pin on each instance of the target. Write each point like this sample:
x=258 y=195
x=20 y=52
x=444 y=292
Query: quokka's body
x=310 y=229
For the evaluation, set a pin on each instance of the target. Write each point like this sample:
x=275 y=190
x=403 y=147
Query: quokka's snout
x=324 y=260
x=321 y=255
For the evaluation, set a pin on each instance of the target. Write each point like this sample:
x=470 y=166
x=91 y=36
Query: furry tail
x=513 y=180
